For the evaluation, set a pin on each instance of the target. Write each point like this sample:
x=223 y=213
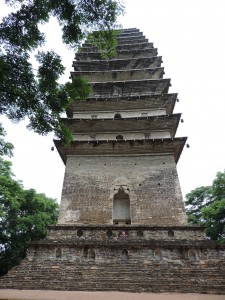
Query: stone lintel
x=124 y=147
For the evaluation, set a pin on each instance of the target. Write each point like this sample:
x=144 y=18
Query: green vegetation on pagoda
x=206 y=206
x=37 y=94
x=24 y=217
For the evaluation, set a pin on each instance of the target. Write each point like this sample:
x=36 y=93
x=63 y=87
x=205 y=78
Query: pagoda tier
x=128 y=128
x=118 y=64
x=152 y=104
x=172 y=147
x=144 y=45
x=120 y=75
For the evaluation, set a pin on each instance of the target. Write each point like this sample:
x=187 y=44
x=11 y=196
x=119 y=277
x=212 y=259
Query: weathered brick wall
x=151 y=182
x=95 y=262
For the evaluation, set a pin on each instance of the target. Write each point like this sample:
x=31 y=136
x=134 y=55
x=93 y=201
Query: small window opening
x=79 y=232
x=117 y=116
x=119 y=137
x=158 y=255
x=125 y=256
x=91 y=254
x=192 y=255
x=109 y=233
x=58 y=253
x=170 y=233
x=85 y=252
x=94 y=116
x=147 y=136
x=140 y=233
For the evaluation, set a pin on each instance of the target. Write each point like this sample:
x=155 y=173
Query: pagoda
x=122 y=224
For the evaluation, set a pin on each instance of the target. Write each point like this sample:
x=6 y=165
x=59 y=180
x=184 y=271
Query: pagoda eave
x=166 y=146
x=117 y=103
x=151 y=123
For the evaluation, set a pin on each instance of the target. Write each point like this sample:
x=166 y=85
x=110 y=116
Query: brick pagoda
x=122 y=224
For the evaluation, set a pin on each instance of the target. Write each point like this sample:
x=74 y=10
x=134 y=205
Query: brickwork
x=153 y=188
x=122 y=225
x=89 y=258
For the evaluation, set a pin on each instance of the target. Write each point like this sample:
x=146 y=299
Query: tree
x=206 y=205
x=24 y=217
x=36 y=94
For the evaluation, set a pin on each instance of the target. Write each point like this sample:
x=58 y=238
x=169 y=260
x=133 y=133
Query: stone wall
x=98 y=261
x=151 y=182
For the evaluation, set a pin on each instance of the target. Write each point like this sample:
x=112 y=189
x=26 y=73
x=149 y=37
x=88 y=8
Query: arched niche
x=117 y=116
x=125 y=255
x=121 y=208
x=192 y=255
x=58 y=253
x=91 y=254
x=119 y=137
x=158 y=254
x=85 y=251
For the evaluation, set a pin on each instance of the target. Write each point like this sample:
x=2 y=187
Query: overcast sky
x=190 y=36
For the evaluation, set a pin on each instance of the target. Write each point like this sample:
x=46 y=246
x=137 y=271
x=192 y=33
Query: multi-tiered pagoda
x=122 y=224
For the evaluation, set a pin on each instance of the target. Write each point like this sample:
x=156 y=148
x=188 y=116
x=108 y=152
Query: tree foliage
x=36 y=94
x=5 y=147
x=24 y=216
x=206 y=205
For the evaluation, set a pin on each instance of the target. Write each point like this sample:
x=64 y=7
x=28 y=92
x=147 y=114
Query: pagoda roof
x=153 y=101
x=131 y=39
x=125 y=147
x=152 y=123
x=120 y=75
x=118 y=64
x=130 y=87
x=121 y=54
x=87 y=47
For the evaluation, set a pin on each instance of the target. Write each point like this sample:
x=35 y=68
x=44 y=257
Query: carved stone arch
x=121 y=207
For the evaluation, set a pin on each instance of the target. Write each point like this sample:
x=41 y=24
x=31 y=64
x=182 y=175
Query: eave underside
x=166 y=101
x=129 y=147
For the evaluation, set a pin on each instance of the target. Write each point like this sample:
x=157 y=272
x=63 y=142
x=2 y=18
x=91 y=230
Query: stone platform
x=129 y=258
x=68 y=295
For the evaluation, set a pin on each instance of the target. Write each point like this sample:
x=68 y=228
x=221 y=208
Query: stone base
x=122 y=258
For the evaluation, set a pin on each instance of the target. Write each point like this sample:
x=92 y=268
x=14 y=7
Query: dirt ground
x=71 y=295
